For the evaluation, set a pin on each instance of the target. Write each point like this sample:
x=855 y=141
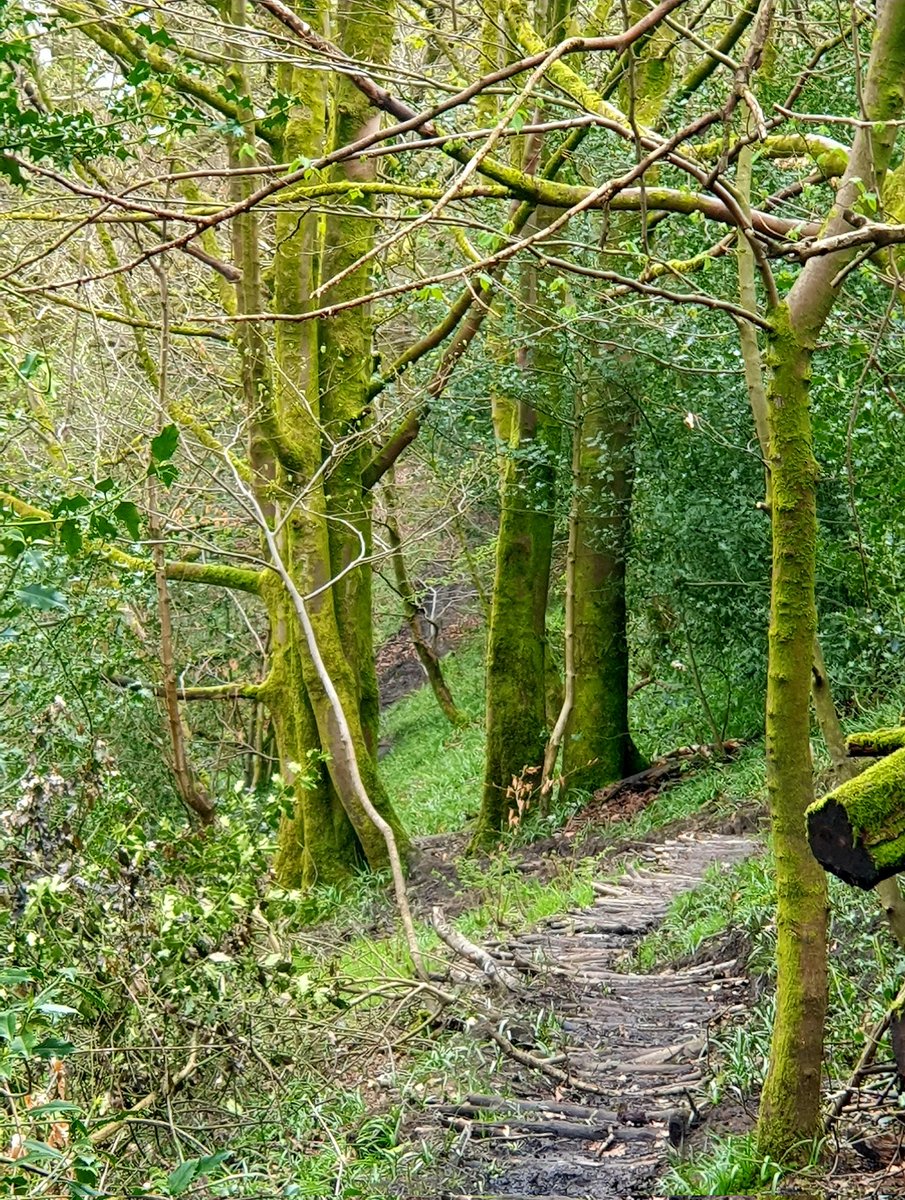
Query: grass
x=432 y=771
x=741 y=899
x=731 y=1166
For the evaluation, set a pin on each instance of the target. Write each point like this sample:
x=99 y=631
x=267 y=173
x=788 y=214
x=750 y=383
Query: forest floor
x=598 y=1078
x=593 y=1119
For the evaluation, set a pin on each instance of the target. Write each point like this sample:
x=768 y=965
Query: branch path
x=640 y=1041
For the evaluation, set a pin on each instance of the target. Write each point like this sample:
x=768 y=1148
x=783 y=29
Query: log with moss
x=875 y=743
x=857 y=831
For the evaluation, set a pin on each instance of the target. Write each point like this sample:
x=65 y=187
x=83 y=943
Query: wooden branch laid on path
x=515 y=1127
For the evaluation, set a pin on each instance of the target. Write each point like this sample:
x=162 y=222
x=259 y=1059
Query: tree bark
x=790 y=1102
x=597 y=747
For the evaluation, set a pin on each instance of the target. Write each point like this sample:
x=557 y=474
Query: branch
x=239 y=579
x=221 y=691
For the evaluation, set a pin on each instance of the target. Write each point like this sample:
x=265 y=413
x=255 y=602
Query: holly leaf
x=45 y=599
x=163 y=447
x=127 y=514
x=179 y=1180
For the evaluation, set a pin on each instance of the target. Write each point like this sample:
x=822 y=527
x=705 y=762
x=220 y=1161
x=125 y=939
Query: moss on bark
x=516 y=692
x=790 y=1102
x=597 y=747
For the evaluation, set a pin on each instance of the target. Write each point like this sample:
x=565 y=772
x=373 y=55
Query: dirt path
x=640 y=1041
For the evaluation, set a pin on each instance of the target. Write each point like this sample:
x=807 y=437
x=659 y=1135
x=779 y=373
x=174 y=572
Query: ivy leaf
x=45 y=599
x=127 y=514
x=163 y=447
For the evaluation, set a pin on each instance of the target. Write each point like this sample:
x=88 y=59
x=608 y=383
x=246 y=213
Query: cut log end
x=837 y=848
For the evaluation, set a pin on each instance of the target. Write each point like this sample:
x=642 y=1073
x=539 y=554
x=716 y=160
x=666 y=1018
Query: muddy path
x=631 y=1058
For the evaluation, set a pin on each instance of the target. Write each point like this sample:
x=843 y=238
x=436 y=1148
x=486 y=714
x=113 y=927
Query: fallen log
x=875 y=743
x=857 y=831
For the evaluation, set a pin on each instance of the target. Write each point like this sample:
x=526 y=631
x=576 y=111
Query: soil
x=449 y=617
x=632 y=1046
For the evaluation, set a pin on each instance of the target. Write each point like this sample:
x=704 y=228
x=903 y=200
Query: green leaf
x=71 y=536
x=127 y=513
x=36 y=595
x=164 y=445
x=11 y=170
x=179 y=1180
x=30 y=364
x=12 y=976
x=102 y=527
x=165 y=472
x=53 y=1047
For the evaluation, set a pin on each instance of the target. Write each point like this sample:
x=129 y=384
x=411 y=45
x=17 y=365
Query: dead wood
x=517 y=1127
x=496 y=973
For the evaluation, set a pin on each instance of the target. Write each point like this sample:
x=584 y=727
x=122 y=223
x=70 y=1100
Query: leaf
x=57 y=1010
x=211 y=1161
x=29 y=364
x=10 y=169
x=36 y=595
x=164 y=445
x=54 y=1108
x=102 y=527
x=11 y=976
x=165 y=472
x=71 y=536
x=53 y=1047
x=179 y=1180
x=127 y=514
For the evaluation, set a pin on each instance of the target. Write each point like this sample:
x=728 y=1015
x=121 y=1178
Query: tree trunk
x=790 y=1102
x=414 y=614
x=309 y=403
x=598 y=748
x=516 y=677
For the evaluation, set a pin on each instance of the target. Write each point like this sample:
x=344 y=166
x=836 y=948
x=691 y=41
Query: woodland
x=451 y=633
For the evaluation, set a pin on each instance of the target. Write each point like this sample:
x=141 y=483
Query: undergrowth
x=181 y=1026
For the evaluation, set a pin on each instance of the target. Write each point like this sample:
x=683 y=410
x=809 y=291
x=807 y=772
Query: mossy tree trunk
x=306 y=389
x=598 y=747
x=790 y=1103
x=516 y=717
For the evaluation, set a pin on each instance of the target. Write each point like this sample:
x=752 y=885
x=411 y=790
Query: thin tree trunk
x=414 y=615
x=189 y=787
x=790 y=1102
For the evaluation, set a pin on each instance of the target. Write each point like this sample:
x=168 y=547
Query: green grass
x=730 y=1166
x=740 y=899
x=432 y=771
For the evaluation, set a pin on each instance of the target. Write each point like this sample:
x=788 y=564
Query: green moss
x=875 y=805
x=878 y=741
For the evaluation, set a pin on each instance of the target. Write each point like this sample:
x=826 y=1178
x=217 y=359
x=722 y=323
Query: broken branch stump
x=857 y=831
